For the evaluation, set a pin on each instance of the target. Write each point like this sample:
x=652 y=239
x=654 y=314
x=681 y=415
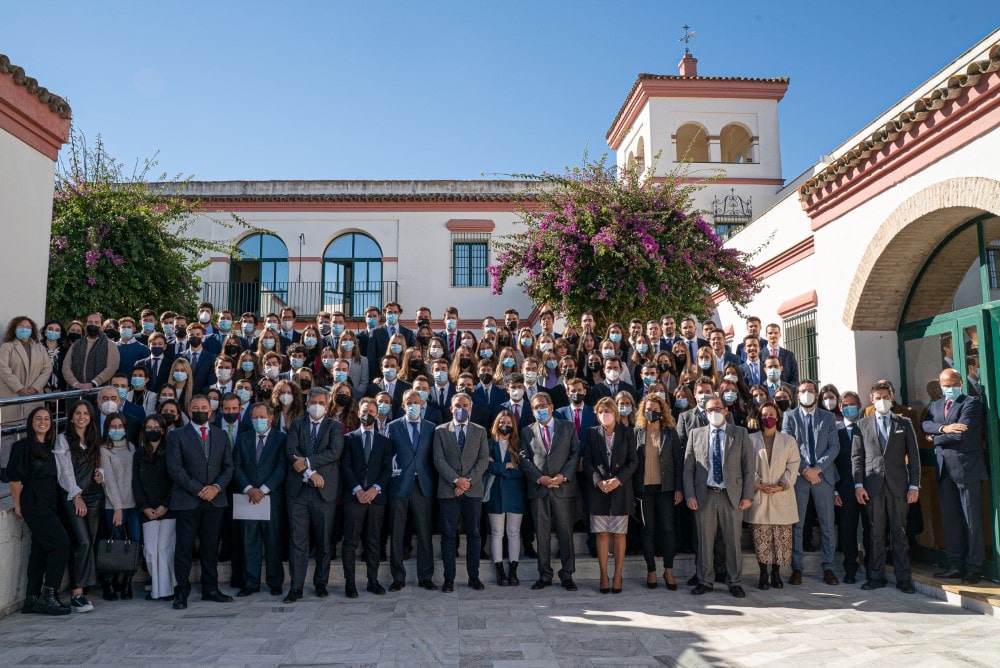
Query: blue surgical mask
x=148 y=327
x=383 y=408
x=180 y=376
x=348 y=346
x=309 y=341
x=392 y=319
x=395 y=348
x=168 y=329
x=461 y=415
x=273 y=326
x=337 y=330
x=705 y=364
x=681 y=402
x=53 y=336
x=608 y=353
x=508 y=363
x=339 y=376
x=413 y=411
x=247 y=366
x=122 y=391
x=642 y=348
x=551 y=364
x=268 y=343
x=297 y=362
x=260 y=425
x=225 y=325
x=491 y=329
x=248 y=327
x=389 y=374
x=729 y=397
x=774 y=375
x=486 y=354
x=542 y=414
x=525 y=342
x=116 y=434
x=372 y=323
x=126 y=332
x=138 y=382
x=244 y=395
x=951 y=393
x=615 y=337
x=450 y=324
x=23 y=333
x=648 y=380
x=423 y=394
x=850 y=412
x=440 y=377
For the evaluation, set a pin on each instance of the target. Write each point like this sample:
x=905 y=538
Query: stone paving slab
x=813 y=625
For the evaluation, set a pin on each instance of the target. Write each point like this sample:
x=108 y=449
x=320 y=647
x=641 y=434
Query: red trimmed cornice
x=798 y=304
x=24 y=115
x=358 y=206
x=470 y=225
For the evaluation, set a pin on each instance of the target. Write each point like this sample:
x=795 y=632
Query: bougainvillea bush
x=623 y=245
x=119 y=243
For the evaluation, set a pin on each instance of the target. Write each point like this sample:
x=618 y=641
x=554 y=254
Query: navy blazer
x=433 y=398
x=398 y=391
x=191 y=470
x=961 y=455
x=163 y=374
x=603 y=389
x=366 y=474
x=789 y=366
x=326 y=460
x=272 y=468
x=412 y=465
x=588 y=419
x=741 y=353
x=204 y=373
x=845 y=471
x=507 y=494
x=527 y=415
x=747 y=373
x=825 y=436
x=498 y=395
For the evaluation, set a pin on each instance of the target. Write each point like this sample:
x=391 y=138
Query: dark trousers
x=266 y=535
x=419 y=508
x=583 y=498
x=470 y=510
x=355 y=515
x=231 y=546
x=49 y=548
x=202 y=522
x=962 y=516
x=888 y=512
x=310 y=512
x=82 y=534
x=849 y=516
x=716 y=520
x=658 y=534
x=554 y=514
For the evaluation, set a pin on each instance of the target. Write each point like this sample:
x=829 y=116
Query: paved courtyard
x=808 y=625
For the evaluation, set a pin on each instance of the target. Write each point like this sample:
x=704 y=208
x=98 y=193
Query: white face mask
x=286 y=399
x=316 y=411
x=882 y=406
x=436 y=353
x=517 y=394
x=109 y=407
x=224 y=375
x=830 y=404
x=613 y=375
x=716 y=419
x=731 y=378
x=545 y=347
x=530 y=377
x=807 y=399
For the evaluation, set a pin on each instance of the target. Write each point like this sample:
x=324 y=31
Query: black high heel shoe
x=651 y=585
x=671 y=587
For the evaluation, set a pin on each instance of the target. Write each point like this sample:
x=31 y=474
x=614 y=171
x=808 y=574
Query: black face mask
x=169 y=419
x=424 y=322
x=367 y=419
x=93 y=330
x=73 y=337
x=112 y=334
x=232 y=351
x=153 y=435
x=511 y=325
x=572 y=339
x=594 y=366
x=653 y=416
x=576 y=398
x=681 y=361
x=783 y=404
x=195 y=341
x=501 y=343
x=486 y=378
x=264 y=393
x=199 y=417
x=181 y=331
x=569 y=374
x=464 y=390
x=342 y=400
x=424 y=340
x=505 y=430
x=230 y=417
x=464 y=363
x=305 y=384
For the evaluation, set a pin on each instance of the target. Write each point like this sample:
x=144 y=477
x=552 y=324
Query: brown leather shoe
x=796 y=578
x=829 y=578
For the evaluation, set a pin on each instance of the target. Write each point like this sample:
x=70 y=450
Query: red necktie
x=204 y=433
x=774 y=352
x=451 y=343
x=576 y=420
x=517 y=415
x=947 y=407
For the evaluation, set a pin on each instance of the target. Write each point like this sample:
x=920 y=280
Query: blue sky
x=453 y=90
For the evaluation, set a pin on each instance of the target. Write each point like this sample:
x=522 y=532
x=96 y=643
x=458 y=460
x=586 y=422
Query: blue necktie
x=812 y=440
x=414 y=436
x=756 y=373
x=461 y=439
x=717 y=457
x=368 y=446
x=883 y=431
x=314 y=440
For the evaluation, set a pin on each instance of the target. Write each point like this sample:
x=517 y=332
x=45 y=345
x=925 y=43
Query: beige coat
x=779 y=508
x=17 y=373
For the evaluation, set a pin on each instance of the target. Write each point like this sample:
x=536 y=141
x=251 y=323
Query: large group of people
x=224 y=437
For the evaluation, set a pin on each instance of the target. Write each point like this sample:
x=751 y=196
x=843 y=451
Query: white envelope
x=244 y=510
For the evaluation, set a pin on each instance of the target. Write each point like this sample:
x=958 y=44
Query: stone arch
x=903 y=244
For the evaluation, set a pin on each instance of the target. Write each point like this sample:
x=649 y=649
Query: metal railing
x=307 y=297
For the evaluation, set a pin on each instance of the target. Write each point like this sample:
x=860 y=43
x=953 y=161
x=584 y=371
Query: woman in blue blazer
x=505 y=502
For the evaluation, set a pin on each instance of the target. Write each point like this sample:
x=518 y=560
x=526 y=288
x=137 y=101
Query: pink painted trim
x=734 y=180
x=803 y=302
x=208 y=205
x=959 y=122
x=390 y=259
x=782 y=260
x=24 y=116
x=647 y=88
x=470 y=225
x=730 y=332
x=221 y=259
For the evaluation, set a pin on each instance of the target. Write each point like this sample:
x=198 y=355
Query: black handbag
x=118 y=556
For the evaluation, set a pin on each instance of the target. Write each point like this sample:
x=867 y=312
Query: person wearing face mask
x=382 y=335
x=412 y=489
x=461 y=456
x=583 y=419
x=505 y=497
x=815 y=430
x=955 y=422
x=789 y=365
x=486 y=393
x=180 y=380
x=286 y=327
x=157 y=365
x=886 y=466
x=773 y=372
x=25 y=367
x=529 y=369
x=146 y=326
x=200 y=463
x=130 y=350
x=829 y=399
x=91 y=361
x=849 y=513
x=178 y=344
x=614 y=381
x=202 y=361
x=120 y=514
x=383 y=413
x=151 y=486
x=517 y=404
x=719 y=488
x=314 y=447
x=225 y=383
x=287 y=404
x=450 y=334
x=248 y=330
x=774 y=512
x=140 y=394
x=216 y=337
x=729 y=391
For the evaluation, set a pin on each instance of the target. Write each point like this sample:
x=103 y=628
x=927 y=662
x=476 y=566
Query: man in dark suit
x=480 y=415
x=367 y=467
x=261 y=469
x=720 y=354
x=849 y=512
x=202 y=361
x=441 y=388
x=450 y=334
x=753 y=331
x=668 y=332
x=789 y=366
x=774 y=371
x=429 y=411
x=886 y=474
x=411 y=491
x=577 y=412
x=382 y=334
x=231 y=547
x=200 y=464
x=461 y=455
x=550 y=452
x=486 y=394
x=613 y=382
x=956 y=423
x=815 y=430
x=389 y=383
x=719 y=486
x=516 y=404
x=366 y=340
x=691 y=340
x=314 y=447
x=752 y=369
x=157 y=365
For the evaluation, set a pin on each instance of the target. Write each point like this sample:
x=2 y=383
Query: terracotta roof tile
x=57 y=104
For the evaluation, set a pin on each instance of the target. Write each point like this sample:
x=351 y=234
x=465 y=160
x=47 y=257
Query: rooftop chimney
x=688 y=66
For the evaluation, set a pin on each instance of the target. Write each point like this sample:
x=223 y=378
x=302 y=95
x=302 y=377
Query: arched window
x=735 y=141
x=692 y=143
x=352 y=275
x=640 y=155
x=258 y=277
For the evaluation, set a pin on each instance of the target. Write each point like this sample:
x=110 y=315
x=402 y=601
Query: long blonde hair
x=513 y=441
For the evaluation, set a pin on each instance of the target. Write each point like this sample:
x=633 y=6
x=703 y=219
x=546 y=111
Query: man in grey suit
x=200 y=463
x=719 y=485
x=815 y=430
x=314 y=446
x=549 y=456
x=461 y=455
x=886 y=468
x=956 y=423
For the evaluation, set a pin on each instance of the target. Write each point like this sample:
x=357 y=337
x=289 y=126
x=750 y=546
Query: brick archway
x=904 y=242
